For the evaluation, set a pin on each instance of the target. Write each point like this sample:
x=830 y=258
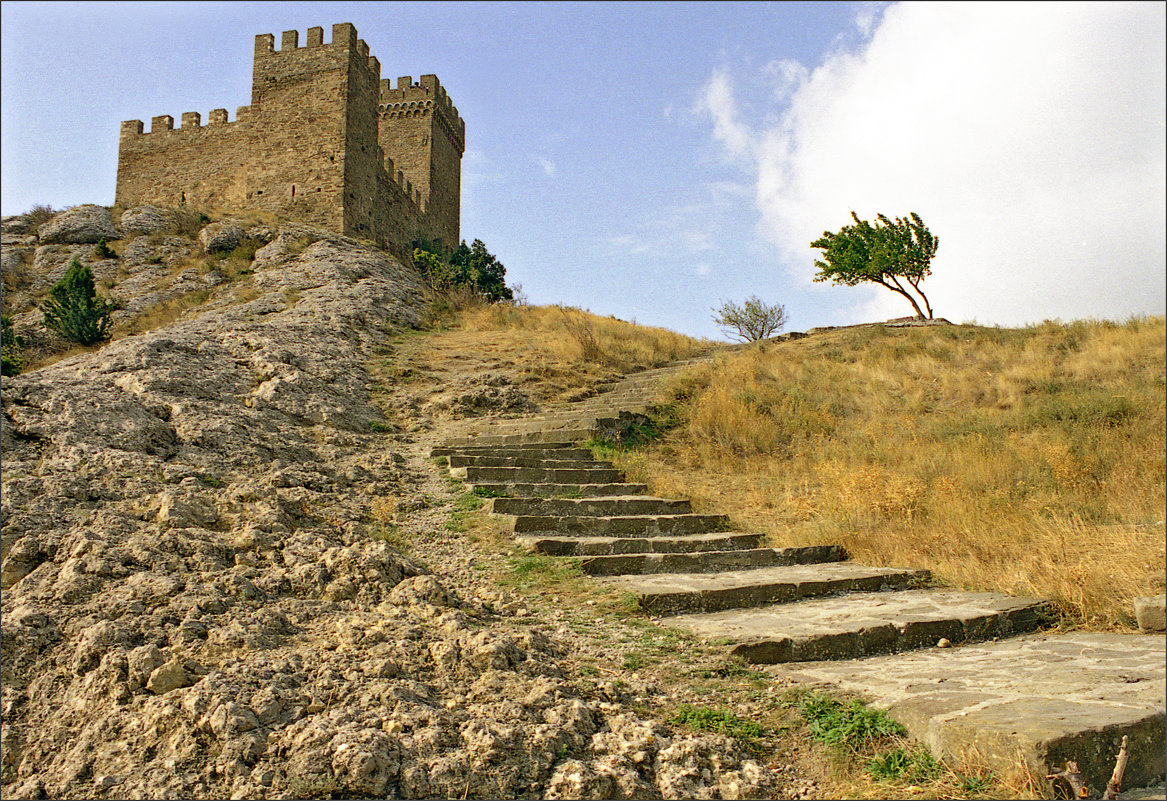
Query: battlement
x=191 y=121
x=344 y=35
x=324 y=139
x=409 y=99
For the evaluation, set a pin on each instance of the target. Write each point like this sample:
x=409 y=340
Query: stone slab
x=539 y=460
x=1047 y=698
x=537 y=474
x=709 y=561
x=550 y=490
x=623 y=525
x=675 y=593
x=541 y=451
x=599 y=507
x=853 y=626
x=598 y=546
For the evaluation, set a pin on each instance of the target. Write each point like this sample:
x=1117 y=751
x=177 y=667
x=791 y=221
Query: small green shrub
x=75 y=310
x=103 y=251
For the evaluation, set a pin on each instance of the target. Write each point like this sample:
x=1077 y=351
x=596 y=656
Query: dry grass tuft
x=1027 y=461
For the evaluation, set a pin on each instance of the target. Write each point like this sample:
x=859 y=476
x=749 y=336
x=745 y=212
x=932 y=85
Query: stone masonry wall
x=313 y=145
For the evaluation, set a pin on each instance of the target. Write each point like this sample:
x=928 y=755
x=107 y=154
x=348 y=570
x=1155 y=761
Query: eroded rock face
x=146 y=220
x=220 y=237
x=86 y=224
x=194 y=606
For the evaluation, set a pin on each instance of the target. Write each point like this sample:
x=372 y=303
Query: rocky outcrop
x=79 y=225
x=220 y=237
x=146 y=220
x=199 y=600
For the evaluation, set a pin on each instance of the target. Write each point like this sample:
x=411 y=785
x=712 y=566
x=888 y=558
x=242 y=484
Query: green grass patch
x=913 y=765
x=393 y=535
x=719 y=721
x=487 y=492
x=730 y=669
x=849 y=727
x=536 y=571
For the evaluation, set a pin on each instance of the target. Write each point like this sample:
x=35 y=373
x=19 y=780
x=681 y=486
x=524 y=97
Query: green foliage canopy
x=883 y=253
x=75 y=310
x=470 y=266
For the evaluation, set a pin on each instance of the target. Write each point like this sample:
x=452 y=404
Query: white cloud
x=547 y=165
x=788 y=76
x=717 y=100
x=1029 y=137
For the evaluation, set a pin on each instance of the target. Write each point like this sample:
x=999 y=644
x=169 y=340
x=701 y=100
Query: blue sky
x=649 y=161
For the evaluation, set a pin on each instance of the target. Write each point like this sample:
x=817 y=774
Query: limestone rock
x=87 y=224
x=220 y=237
x=146 y=220
x=1151 y=613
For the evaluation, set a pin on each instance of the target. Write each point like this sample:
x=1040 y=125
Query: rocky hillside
x=199 y=597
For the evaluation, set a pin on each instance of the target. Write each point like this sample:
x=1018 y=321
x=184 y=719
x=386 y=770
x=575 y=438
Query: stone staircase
x=697 y=573
x=771 y=606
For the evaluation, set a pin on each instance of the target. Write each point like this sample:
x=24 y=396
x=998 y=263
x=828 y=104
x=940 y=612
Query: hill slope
x=1026 y=461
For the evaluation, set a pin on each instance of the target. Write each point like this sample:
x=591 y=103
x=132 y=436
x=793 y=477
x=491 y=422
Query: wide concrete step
x=587 y=463
x=1046 y=698
x=677 y=593
x=591 y=507
x=627 y=526
x=550 y=490
x=598 y=546
x=519 y=451
x=537 y=474
x=862 y=624
x=709 y=561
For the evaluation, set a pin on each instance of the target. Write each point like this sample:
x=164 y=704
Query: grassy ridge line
x=1027 y=461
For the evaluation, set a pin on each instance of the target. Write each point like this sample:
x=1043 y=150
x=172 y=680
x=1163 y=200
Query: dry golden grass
x=569 y=335
x=558 y=353
x=1027 y=461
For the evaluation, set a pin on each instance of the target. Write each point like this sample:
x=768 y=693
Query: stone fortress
x=324 y=140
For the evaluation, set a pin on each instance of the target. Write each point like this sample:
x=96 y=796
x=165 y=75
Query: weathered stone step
x=709 y=561
x=600 y=546
x=538 y=451
x=547 y=490
x=578 y=434
x=528 y=461
x=858 y=625
x=591 y=507
x=537 y=474
x=677 y=593
x=627 y=526
x=1047 y=698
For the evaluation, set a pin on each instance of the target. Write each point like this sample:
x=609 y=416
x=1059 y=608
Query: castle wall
x=312 y=146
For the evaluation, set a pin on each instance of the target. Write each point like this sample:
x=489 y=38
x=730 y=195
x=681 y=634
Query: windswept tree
x=751 y=321
x=894 y=254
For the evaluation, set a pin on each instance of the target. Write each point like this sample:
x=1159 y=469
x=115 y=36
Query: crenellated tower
x=420 y=130
x=318 y=143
